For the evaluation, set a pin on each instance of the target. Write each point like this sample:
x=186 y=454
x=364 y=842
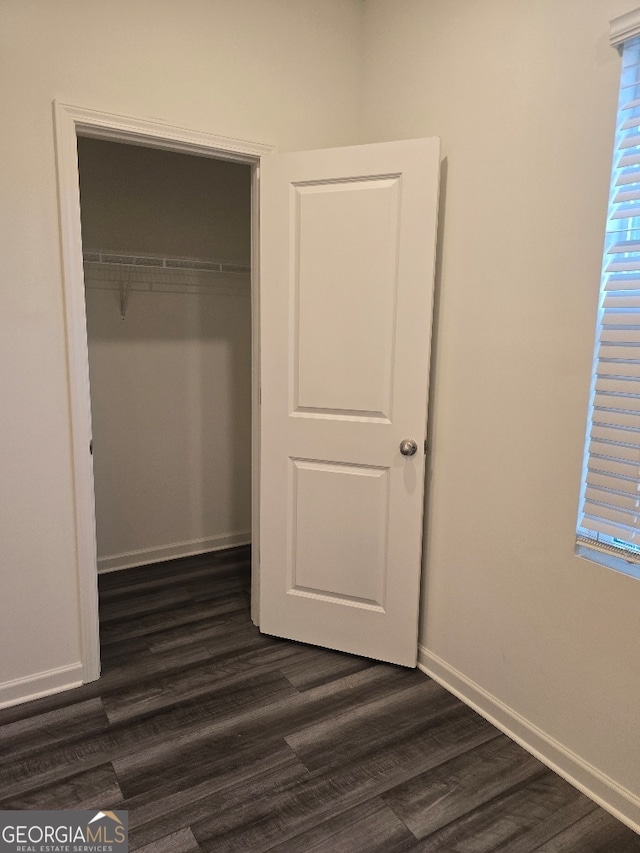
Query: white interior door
x=346 y=281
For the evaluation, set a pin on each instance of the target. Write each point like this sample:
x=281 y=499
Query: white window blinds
x=610 y=503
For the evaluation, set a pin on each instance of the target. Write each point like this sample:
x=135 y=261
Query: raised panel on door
x=346 y=243
x=347 y=258
x=339 y=533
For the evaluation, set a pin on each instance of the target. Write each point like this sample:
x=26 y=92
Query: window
x=609 y=517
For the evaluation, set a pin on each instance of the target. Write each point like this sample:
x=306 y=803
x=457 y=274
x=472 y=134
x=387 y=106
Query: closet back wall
x=171 y=382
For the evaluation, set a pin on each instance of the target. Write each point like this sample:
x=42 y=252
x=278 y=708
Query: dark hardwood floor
x=217 y=738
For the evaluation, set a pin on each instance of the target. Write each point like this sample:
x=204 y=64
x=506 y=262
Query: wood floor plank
x=177 y=569
x=370 y=827
x=225 y=579
x=181 y=841
x=153 y=623
x=222 y=692
x=281 y=814
x=130 y=607
x=238 y=639
x=210 y=629
x=361 y=730
x=322 y=666
x=52 y=702
x=95 y=788
x=117 y=671
x=596 y=832
x=268 y=722
x=514 y=822
x=134 y=737
x=189 y=574
x=275 y=654
x=431 y=800
x=171 y=573
x=139 y=775
x=211 y=592
x=242 y=779
x=32 y=734
x=123 y=650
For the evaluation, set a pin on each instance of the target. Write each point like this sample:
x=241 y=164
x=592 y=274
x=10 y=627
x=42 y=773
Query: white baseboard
x=141 y=557
x=41 y=684
x=603 y=790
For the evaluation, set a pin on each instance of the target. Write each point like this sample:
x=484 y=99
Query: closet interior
x=166 y=244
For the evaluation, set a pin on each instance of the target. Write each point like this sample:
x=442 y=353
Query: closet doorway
x=167 y=250
x=122 y=284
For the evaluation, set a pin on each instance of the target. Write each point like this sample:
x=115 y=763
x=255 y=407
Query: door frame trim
x=69 y=123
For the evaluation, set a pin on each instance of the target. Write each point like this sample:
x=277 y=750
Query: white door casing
x=71 y=121
x=346 y=276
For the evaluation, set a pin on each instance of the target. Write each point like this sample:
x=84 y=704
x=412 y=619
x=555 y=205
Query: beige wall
x=171 y=411
x=524 y=96
x=149 y=201
x=275 y=71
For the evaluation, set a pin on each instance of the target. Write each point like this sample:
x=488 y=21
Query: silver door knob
x=408 y=447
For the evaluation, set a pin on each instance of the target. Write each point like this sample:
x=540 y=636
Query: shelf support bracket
x=125 y=289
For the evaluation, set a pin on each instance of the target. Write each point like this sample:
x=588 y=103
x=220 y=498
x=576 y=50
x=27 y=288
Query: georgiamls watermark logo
x=64 y=832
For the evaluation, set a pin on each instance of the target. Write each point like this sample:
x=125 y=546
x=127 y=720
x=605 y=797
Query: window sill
x=609 y=561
